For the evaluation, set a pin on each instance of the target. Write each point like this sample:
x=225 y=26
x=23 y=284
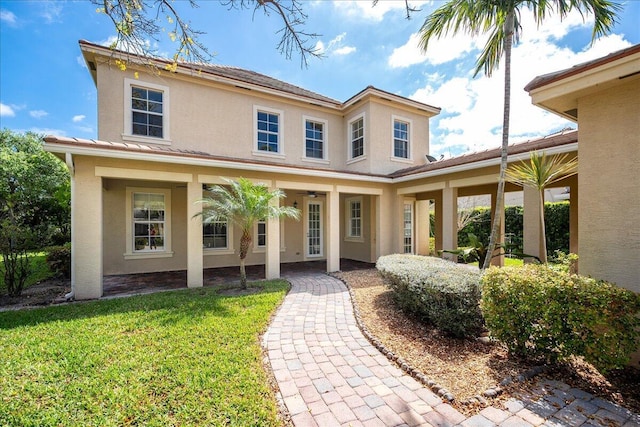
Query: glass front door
x=314 y=229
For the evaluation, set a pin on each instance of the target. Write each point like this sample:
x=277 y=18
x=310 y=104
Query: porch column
x=573 y=217
x=86 y=235
x=272 y=256
x=333 y=231
x=194 y=235
x=532 y=232
x=422 y=227
x=499 y=260
x=450 y=221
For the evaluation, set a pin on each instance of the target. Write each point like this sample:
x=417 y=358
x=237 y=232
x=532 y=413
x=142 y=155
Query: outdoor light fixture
x=295 y=204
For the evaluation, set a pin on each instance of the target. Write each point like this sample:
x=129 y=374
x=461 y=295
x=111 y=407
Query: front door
x=314 y=239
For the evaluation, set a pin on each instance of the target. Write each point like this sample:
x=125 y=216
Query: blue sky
x=45 y=86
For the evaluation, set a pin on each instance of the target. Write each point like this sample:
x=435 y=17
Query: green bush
x=59 y=260
x=548 y=315
x=439 y=292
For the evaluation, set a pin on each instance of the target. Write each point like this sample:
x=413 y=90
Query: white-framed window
x=148 y=228
x=146 y=112
x=260 y=236
x=215 y=235
x=315 y=140
x=357 y=149
x=353 y=218
x=401 y=149
x=407 y=240
x=268 y=131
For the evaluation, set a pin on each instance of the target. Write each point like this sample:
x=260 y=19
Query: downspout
x=68 y=160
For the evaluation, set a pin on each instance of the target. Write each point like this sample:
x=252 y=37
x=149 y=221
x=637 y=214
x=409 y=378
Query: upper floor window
x=146 y=109
x=400 y=139
x=315 y=134
x=146 y=113
x=356 y=139
x=268 y=125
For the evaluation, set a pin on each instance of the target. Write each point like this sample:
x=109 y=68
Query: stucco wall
x=609 y=191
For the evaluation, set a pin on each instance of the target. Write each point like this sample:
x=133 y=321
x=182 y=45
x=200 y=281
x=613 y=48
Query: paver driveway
x=330 y=375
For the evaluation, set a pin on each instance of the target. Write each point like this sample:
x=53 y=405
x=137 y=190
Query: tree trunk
x=495 y=229
x=245 y=242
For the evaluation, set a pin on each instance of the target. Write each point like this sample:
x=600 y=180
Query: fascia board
x=227 y=164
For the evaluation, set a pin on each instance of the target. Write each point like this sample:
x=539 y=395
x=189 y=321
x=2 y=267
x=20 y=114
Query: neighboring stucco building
x=356 y=169
x=603 y=97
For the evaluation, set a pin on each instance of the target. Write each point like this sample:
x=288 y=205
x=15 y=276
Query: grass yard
x=187 y=358
x=39 y=270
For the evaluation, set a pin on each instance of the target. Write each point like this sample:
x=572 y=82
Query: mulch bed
x=467 y=368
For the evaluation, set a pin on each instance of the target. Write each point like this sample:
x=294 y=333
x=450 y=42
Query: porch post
x=532 y=232
x=422 y=227
x=333 y=231
x=272 y=256
x=573 y=217
x=450 y=221
x=194 y=235
x=86 y=235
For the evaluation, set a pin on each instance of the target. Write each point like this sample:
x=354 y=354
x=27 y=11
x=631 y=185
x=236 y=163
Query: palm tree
x=501 y=19
x=243 y=203
x=540 y=172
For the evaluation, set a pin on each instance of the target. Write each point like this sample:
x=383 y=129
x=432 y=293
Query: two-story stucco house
x=358 y=170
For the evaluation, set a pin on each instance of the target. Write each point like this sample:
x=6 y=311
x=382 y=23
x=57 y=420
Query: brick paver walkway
x=330 y=375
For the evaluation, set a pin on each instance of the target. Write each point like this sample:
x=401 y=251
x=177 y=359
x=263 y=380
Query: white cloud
x=85 y=129
x=48 y=131
x=364 y=10
x=440 y=51
x=335 y=46
x=8 y=17
x=6 y=111
x=38 y=114
x=78 y=118
x=51 y=11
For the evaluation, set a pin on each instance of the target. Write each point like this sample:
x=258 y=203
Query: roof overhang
x=559 y=92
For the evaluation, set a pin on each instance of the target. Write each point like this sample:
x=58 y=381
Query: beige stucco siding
x=609 y=203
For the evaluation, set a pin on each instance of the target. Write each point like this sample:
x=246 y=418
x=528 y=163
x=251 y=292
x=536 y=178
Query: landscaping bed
x=467 y=368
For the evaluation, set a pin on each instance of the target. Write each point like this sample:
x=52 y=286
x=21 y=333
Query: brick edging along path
x=329 y=374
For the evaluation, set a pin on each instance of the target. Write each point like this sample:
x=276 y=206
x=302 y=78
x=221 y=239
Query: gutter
x=68 y=160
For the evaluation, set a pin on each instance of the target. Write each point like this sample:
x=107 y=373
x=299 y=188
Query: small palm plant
x=540 y=172
x=243 y=203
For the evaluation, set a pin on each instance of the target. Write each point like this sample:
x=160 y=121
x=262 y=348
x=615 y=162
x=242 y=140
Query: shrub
x=59 y=260
x=548 y=315
x=439 y=292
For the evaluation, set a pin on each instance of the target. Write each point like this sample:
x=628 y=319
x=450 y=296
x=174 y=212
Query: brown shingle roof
x=566 y=136
x=577 y=69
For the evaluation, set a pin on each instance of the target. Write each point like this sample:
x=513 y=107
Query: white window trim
x=351 y=159
x=325 y=144
x=262 y=249
x=229 y=250
x=413 y=226
x=280 y=154
x=409 y=122
x=306 y=202
x=127 y=134
x=129 y=249
x=347 y=210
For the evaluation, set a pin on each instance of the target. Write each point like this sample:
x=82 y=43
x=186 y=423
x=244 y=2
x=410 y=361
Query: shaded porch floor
x=166 y=280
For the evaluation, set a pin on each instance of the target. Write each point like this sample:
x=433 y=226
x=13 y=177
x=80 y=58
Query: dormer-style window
x=401 y=149
x=146 y=114
x=356 y=139
x=268 y=125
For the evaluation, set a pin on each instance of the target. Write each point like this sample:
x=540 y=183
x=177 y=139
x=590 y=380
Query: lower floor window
x=215 y=235
x=408 y=228
x=148 y=221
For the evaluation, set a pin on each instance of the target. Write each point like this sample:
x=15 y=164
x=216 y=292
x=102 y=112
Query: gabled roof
x=560 y=139
x=248 y=79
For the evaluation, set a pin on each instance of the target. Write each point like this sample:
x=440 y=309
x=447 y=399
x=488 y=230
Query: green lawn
x=39 y=270
x=187 y=358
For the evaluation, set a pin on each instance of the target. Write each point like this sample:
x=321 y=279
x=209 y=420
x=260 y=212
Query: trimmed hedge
x=548 y=315
x=440 y=292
